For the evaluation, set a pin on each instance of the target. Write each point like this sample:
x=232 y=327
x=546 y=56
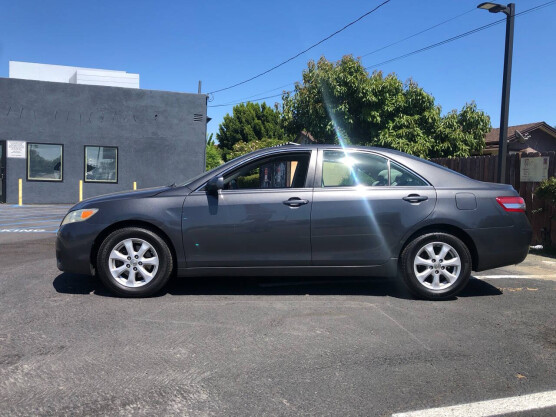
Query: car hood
x=143 y=193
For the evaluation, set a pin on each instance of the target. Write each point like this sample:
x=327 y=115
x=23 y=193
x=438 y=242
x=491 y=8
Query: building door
x=2 y=171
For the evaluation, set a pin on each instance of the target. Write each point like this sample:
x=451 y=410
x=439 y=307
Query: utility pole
x=509 y=11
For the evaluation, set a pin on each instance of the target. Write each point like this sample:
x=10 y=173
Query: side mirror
x=215 y=184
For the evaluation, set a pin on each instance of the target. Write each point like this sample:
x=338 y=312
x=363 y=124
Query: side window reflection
x=341 y=169
x=400 y=176
x=349 y=169
x=285 y=171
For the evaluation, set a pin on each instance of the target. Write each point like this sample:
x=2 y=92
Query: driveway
x=259 y=346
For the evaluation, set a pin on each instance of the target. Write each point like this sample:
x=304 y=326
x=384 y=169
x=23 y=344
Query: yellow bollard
x=134 y=186
x=80 y=190
x=20 y=200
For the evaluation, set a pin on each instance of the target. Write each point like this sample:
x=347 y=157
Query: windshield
x=196 y=177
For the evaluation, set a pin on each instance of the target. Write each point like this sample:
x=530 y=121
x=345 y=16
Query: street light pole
x=509 y=11
x=503 y=140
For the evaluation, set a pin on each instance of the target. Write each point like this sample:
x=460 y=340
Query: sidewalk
x=533 y=267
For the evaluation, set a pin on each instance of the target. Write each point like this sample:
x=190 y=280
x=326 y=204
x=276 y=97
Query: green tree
x=547 y=190
x=250 y=122
x=241 y=148
x=213 y=154
x=342 y=102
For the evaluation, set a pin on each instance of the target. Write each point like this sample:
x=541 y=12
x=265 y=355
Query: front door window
x=286 y=171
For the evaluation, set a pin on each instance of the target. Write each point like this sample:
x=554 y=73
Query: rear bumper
x=501 y=246
x=74 y=244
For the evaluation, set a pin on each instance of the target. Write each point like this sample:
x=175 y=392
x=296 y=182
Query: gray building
x=55 y=134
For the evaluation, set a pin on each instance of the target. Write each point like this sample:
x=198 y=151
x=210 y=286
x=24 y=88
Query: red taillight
x=512 y=203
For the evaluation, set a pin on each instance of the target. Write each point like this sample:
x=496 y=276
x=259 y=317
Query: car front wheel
x=134 y=262
x=436 y=266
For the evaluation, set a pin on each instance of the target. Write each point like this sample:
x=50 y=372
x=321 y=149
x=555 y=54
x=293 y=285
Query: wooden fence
x=541 y=214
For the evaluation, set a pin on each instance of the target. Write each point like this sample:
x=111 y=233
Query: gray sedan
x=301 y=210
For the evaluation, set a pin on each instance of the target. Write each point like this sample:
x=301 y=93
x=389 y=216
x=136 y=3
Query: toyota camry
x=301 y=210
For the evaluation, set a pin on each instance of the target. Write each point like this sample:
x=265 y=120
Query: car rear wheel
x=134 y=262
x=436 y=266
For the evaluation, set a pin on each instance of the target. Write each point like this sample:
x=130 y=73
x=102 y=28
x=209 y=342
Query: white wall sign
x=534 y=169
x=16 y=149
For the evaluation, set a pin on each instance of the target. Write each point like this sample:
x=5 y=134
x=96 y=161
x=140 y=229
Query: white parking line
x=510 y=276
x=489 y=408
x=27 y=231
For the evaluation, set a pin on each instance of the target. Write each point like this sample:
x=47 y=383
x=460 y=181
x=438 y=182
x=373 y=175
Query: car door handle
x=295 y=202
x=415 y=198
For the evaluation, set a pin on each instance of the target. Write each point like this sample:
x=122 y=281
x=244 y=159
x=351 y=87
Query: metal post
x=503 y=140
x=20 y=189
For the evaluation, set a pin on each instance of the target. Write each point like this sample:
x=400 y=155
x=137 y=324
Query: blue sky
x=173 y=44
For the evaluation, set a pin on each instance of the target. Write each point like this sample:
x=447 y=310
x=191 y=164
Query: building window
x=101 y=164
x=44 y=162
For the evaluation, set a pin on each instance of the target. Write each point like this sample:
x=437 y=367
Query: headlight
x=79 y=215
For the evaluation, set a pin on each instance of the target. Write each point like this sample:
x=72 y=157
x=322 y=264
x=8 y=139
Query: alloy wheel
x=133 y=262
x=437 y=265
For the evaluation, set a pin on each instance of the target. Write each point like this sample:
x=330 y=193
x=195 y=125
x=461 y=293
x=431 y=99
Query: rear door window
x=350 y=169
x=401 y=176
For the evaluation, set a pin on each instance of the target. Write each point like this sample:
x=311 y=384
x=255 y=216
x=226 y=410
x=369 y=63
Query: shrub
x=547 y=190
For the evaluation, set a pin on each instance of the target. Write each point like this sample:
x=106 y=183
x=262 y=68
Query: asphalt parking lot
x=31 y=219
x=260 y=346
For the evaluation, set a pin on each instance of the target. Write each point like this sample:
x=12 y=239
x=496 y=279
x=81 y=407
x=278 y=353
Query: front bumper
x=74 y=244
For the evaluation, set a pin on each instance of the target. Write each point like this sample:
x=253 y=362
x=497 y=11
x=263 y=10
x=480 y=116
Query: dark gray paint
x=157 y=138
x=350 y=230
x=466 y=201
x=243 y=227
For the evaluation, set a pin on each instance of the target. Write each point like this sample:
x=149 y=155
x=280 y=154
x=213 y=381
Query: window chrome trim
x=320 y=164
x=274 y=151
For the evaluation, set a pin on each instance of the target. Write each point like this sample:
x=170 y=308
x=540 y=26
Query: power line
x=461 y=35
x=532 y=9
x=434 y=45
x=267 y=91
x=418 y=33
x=426 y=48
x=242 y=100
x=254 y=100
x=304 y=51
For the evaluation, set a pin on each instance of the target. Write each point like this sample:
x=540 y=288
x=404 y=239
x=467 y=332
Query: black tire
x=422 y=290
x=156 y=283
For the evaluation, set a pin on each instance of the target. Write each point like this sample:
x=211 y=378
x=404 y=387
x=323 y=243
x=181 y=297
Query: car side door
x=260 y=217
x=363 y=203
